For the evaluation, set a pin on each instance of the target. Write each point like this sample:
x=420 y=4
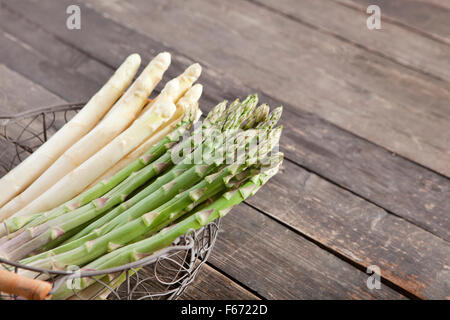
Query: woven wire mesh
x=163 y=275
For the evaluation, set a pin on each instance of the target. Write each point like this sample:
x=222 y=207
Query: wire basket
x=163 y=275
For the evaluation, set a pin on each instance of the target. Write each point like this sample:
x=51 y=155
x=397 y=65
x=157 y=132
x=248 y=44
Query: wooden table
x=367 y=128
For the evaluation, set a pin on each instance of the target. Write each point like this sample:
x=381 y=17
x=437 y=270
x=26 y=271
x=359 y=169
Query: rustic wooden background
x=367 y=127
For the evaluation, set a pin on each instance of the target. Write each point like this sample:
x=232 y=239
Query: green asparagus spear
x=167 y=236
x=166 y=192
x=39 y=236
x=259 y=115
x=148 y=223
x=15 y=223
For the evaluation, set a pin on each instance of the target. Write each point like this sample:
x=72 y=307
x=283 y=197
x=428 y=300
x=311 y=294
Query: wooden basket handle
x=31 y=289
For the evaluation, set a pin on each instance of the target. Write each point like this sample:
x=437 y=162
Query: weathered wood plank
x=409 y=48
x=43 y=71
x=402 y=187
x=407 y=255
x=53 y=68
x=212 y=285
x=371 y=96
x=392 y=182
x=348 y=282
x=430 y=17
x=60 y=54
x=18 y=94
x=218 y=88
x=279 y=264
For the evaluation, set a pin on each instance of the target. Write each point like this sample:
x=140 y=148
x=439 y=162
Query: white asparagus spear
x=25 y=173
x=123 y=113
x=74 y=182
x=186 y=79
x=144 y=147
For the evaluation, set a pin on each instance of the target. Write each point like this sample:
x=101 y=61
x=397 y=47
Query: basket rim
x=188 y=237
x=40 y=110
x=81 y=274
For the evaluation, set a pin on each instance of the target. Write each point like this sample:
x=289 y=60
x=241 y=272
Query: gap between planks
x=335 y=253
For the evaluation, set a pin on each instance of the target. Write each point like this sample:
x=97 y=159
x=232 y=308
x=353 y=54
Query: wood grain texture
x=37 y=40
x=400 y=186
x=371 y=96
x=335 y=153
x=278 y=264
x=55 y=66
x=409 y=191
x=429 y=17
x=213 y=285
x=18 y=94
x=356 y=289
x=409 y=48
x=408 y=256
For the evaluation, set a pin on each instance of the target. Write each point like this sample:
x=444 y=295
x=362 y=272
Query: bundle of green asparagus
x=192 y=176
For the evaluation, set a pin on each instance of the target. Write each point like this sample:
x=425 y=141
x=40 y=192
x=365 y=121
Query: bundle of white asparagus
x=124 y=178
